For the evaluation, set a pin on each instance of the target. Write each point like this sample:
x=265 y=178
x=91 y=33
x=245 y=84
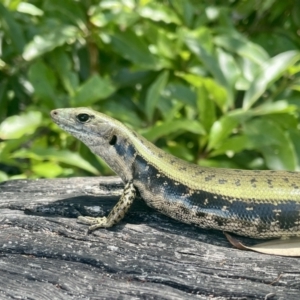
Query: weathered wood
x=46 y=254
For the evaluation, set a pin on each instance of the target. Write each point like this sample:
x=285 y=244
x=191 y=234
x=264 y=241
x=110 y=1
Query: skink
x=257 y=204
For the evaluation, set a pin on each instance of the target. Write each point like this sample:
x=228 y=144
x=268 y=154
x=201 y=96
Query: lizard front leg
x=117 y=213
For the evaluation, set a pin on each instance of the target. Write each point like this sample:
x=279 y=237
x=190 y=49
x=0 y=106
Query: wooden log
x=46 y=254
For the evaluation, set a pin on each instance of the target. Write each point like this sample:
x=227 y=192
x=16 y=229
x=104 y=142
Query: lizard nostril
x=54 y=113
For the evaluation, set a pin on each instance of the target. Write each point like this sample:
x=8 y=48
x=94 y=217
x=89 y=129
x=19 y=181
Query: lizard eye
x=83 y=118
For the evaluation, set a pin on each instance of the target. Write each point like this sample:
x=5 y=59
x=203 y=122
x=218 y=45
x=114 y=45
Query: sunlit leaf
x=158 y=12
x=3 y=176
x=46 y=43
x=30 y=9
x=229 y=67
x=63 y=156
x=273 y=69
x=278 y=107
x=16 y=126
x=47 y=169
x=208 y=60
x=249 y=71
x=243 y=47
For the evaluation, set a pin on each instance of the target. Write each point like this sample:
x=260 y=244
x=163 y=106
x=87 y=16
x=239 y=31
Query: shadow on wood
x=46 y=254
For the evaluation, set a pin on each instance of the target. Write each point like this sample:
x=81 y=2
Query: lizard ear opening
x=113 y=140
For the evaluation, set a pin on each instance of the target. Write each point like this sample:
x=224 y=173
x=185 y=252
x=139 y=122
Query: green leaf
x=180 y=150
x=243 y=47
x=169 y=108
x=158 y=12
x=220 y=130
x=43 y=80
x=274 y=143
x=42 y=44
x=167 y=128
x=181 y=92
x=4 y=86
x=52 y=154
x=232 y=145
x=229 y=67
x=28 y=8
x=133 y=48
x=278 y=107
x=8 y=147
x=94 y=89
x=223 y=127
x=192 y=79
x=166 y=45
x=12 y=28
x=15 y=127
x=225 y=163
x=249 y=71
x=3 y=176
x=153 y=93
x=215 y=91
x=206 y=108
x=123 y=109
x=209 y=61
x=117 y=14
x=47 y=169
x=68 y=12
x=186 y=10
x=273 y=69
x=64 y=68
x=295 y=138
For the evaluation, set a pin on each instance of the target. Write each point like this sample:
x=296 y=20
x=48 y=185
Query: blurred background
x=213 y=82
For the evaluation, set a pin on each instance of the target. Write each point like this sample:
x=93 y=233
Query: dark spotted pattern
x=197 y=205
x=125 y=150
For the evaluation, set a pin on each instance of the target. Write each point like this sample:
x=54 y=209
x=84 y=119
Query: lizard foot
x=94 y=222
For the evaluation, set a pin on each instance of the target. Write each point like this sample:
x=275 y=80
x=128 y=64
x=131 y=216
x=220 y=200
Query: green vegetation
x=214 y=82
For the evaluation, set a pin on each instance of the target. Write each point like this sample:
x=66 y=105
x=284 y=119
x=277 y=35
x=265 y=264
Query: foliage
x=213 y=82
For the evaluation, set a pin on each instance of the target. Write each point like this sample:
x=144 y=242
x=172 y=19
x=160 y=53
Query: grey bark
x=46 y=254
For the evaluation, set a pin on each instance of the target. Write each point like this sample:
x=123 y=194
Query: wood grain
x=46 y=254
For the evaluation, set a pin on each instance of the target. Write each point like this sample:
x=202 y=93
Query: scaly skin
x=258 y=204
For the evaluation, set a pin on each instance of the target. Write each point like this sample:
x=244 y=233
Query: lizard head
x=105 y=136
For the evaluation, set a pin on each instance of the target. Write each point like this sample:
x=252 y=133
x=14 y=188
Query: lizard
x=252 y=203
